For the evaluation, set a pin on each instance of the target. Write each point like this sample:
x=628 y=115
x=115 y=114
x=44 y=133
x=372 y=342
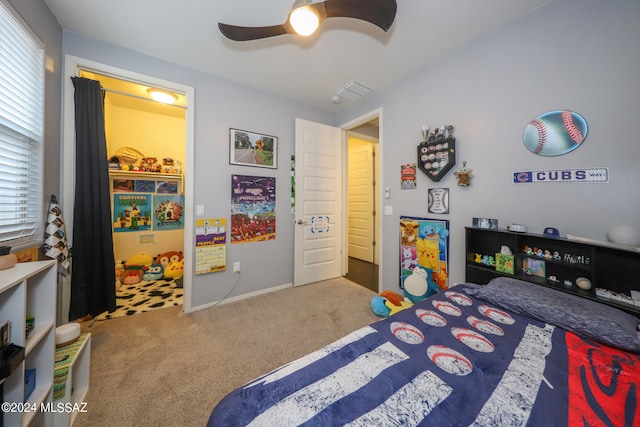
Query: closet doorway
x=150 y=150
x=363 y=204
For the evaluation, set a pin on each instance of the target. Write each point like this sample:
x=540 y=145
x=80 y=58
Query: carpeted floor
x=145 y=296
x=167 y=368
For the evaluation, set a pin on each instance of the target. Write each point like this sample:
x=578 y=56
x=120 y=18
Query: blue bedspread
x=449 y=360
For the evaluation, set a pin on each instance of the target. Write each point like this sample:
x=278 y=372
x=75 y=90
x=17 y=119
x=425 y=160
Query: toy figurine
x=464 y=175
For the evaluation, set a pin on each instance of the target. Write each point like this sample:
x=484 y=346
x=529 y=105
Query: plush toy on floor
x=132 y=274
x=153 y=272
x=388 y=303
x=419 y=285
x=166 y=258
x=174 y=270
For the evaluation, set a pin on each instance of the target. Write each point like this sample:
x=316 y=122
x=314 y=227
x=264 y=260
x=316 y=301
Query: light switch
x=199 y=210
x=388 y=210
x=387 y=192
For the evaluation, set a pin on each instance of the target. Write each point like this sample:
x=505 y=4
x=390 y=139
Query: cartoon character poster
x=424 y=243
x=168 y=212
x=131 y=212
x=253 y=208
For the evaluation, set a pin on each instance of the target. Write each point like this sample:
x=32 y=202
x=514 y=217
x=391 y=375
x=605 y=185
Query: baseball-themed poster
x=408 y=176
x=555 y=133
x=424 y=243
x=211 y=248
x=168 y=212
x=253 y=208
x=438 y=200
x=131 y=212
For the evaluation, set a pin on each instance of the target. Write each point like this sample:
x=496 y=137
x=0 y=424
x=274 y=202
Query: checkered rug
x=144 y=296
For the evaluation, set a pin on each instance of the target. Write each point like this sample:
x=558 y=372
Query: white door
x=360 y=232
x=318 y=202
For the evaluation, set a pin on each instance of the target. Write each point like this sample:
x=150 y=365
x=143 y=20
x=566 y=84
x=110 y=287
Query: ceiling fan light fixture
x=304 y=20
x=163 y=96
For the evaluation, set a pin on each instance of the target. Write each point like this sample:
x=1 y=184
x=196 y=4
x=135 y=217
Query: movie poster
x=253 y=208
x=424 y=243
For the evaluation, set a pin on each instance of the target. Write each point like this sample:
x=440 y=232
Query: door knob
x=300 y=222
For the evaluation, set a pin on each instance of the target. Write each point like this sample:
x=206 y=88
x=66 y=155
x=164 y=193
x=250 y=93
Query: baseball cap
x=551 y=232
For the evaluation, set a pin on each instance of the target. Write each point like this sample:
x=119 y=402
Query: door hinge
x=373 y=243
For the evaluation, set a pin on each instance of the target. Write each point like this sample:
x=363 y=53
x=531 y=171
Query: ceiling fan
x=306 y=16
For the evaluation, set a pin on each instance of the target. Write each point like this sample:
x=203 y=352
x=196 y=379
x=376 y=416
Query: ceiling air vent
x=353 y=91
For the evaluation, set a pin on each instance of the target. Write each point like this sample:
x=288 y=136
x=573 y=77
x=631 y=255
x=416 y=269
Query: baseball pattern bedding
x=453 y=359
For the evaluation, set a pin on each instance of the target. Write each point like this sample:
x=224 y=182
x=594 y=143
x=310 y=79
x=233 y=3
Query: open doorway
x=146 y=146
x=128 y=98
x=362 y=231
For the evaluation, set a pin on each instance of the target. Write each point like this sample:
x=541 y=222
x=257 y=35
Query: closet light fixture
x=163 y=96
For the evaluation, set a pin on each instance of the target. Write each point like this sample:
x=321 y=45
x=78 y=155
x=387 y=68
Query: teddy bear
x=150 y=164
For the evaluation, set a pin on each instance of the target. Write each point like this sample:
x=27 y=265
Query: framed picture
x=438 y=200
x=252 y=149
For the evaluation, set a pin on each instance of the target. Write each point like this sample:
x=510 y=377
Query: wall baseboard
x=240 y=297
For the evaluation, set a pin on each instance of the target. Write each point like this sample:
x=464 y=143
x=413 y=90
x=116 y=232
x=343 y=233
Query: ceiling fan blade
x=241 y=34
x=378 y=12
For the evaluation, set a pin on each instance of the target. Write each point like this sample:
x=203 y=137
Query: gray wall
x=219 y=105
x=571 y=54
x=44 y=24
x=580 y=55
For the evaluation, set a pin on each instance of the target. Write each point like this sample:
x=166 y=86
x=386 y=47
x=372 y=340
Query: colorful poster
x=168 y=212
x=167 y=187
x=145 y=186
x=123 y=185
x=131 y=212
x=211 y=248
x=253 y=208
x=424 y=243
x=408 y=176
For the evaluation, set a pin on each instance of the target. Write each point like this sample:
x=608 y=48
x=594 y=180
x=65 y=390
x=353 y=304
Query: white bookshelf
x=30 y=289
x=77 y=385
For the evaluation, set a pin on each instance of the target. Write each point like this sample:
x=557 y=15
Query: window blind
x=21 y=131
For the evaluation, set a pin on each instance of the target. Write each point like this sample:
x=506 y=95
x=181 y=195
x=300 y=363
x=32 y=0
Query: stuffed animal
x=168 y=257
x=393 y=309
x=140 y=259
x=464 y=175
x=153 y=272
x=378 y=306
x=388 y=303
x=174 y=270
x=393 y=297
x=132 y=275
x=419 y=285
x=150 y=164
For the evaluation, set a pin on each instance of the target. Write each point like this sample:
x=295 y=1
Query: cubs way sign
x=586 y=175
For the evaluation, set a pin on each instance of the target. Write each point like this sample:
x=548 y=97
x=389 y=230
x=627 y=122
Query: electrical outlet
x=236 y=267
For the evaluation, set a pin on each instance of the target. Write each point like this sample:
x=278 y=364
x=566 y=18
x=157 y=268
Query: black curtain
x=93 y=268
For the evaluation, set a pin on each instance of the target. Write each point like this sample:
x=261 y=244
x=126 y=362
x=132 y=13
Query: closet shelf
x=154 y=175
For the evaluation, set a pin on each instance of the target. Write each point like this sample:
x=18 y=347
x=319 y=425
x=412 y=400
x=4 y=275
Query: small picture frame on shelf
x=534 y=267
x=490 y=223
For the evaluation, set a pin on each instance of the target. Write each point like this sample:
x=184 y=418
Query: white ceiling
x=309 y=70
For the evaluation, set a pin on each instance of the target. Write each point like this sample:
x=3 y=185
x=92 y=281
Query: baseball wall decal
x=555 y=133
